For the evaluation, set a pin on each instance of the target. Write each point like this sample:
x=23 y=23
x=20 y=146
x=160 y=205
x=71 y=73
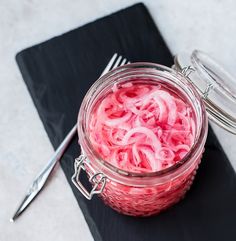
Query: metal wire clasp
x=206 y=92
x=98 y=179
x=186 y=71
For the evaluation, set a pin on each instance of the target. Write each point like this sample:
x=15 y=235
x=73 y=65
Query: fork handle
x=58 y=154
x=42 y=177
x=46 y=171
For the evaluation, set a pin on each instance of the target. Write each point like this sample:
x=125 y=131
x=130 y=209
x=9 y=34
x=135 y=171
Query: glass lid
x=216 y=87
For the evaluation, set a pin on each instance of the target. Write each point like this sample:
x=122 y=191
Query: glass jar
x=145 y=194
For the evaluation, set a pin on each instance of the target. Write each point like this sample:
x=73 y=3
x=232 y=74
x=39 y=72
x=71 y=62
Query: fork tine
x=114 y=62
x=108 y=67
x=117 y=62
x=123 y=61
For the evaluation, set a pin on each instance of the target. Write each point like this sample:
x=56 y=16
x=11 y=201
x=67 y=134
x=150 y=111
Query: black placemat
x=58 y=73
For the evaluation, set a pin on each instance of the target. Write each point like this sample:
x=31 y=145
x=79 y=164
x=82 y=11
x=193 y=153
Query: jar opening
x=141 y=71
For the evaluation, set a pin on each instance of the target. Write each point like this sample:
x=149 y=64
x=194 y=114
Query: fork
x=43 y=176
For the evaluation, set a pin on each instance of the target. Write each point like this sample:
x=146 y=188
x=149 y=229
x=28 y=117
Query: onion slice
x=142 y=127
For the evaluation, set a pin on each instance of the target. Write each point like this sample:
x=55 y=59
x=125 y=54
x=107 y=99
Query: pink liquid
x=143 y=128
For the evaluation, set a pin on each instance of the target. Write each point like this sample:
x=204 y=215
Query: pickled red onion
x=142 y=127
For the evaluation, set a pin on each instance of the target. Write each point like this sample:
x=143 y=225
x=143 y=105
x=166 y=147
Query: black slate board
x=58 y=73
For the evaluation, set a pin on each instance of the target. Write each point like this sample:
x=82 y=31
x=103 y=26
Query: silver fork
x=42 y=177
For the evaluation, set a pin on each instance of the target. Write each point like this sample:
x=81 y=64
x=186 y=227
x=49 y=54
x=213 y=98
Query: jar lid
x=214 y=84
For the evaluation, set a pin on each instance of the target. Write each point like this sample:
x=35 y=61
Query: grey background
x=24 y=146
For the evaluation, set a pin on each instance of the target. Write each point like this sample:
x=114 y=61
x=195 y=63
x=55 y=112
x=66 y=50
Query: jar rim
x=200 y=137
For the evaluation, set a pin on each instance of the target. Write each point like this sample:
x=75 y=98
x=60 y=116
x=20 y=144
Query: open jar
x=200 y=82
